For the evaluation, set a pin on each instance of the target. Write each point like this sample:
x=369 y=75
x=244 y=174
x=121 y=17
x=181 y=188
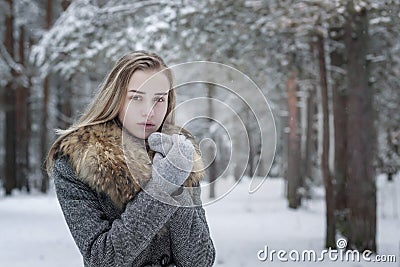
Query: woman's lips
x=147 y=125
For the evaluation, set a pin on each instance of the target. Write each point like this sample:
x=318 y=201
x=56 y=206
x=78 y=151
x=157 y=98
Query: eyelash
x=157 y=99
x=135 y=97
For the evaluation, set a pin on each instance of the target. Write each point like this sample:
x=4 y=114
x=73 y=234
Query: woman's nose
x=148 y=110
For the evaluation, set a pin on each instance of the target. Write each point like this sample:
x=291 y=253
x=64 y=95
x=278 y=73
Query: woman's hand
x=172 y=162
x=160 y=142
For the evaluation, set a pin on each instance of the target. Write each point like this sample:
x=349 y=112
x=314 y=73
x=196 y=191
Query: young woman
x=127 y=178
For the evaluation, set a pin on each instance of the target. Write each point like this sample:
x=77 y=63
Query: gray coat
x=114 y=222
x=147 y=233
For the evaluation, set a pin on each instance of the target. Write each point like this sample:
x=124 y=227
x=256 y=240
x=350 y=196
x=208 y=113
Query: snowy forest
x=328 y=70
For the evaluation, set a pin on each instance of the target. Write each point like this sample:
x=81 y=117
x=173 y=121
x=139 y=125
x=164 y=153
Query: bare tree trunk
x=44 y=135
x=329 y=196
x=212 y=168
x=22 y=126
x=284 y=144
x=10 y=165
x=247 y=121
x=64 y=105
x=294 y=156
x=339 y=94
x=360 y=137
x=309 y=148
x=10 y=139
x=307 y=156
x=311 y=130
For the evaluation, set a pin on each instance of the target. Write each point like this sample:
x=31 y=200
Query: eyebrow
x=143 y=93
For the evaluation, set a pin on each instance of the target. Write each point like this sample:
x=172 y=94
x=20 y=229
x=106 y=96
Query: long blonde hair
x=110 y=97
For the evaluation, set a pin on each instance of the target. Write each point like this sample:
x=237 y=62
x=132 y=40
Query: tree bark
x=65 y=94
x=360 y=137
x=284 y=144
x=339 y=94
x=329 y=196
x=294 y=150
x=310 y=135
x=212 y=168
x=10 y=181
x=22 y=122
x=311 y=145
x=44 y=135
x=64 y=104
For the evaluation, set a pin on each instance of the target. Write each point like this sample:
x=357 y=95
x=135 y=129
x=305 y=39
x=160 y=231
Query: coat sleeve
x=191 y=241
x=101 y=242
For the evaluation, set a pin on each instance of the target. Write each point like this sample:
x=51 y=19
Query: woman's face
x=145 y=105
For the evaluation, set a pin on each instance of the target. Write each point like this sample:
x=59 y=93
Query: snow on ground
x=33 y=232
x=243 y=224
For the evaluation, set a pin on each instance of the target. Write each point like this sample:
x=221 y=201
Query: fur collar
x=113 y=162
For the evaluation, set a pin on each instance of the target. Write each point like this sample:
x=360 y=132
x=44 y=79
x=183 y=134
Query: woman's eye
x=136 y=97
x=159 y=99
